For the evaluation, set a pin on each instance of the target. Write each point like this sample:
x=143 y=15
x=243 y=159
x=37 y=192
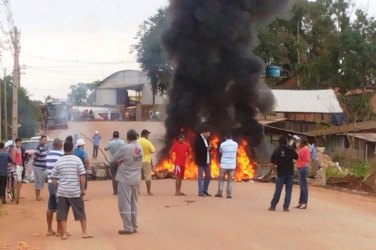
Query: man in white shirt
x=71 y=188
x=228 y=149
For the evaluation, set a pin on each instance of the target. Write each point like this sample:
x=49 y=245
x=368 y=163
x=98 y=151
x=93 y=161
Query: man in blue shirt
x=228 y=150
x=96 y=138
x=81 y=153
x=5 y=159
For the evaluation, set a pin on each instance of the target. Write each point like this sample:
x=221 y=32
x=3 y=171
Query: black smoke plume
x=217 y=77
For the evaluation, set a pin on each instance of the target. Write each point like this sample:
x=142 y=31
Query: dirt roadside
x=333 y=220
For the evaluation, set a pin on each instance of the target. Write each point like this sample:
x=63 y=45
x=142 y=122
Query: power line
x=76 y=61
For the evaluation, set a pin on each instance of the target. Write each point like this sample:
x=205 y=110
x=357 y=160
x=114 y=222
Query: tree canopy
x=324 y=43
x=82 y=93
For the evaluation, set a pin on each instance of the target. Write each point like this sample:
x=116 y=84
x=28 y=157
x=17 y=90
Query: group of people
x=283 y=157
x=66 y=168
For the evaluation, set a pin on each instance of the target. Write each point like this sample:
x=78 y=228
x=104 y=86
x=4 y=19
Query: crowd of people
x=66 y=164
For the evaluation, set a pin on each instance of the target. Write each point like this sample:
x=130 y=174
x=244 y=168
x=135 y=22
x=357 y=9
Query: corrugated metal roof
x=370 y=137
x=130 y=79
x=306 y=101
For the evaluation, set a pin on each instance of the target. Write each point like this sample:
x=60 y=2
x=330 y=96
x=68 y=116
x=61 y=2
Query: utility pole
x=1 y=111
x=5 y=108
x=16 y=82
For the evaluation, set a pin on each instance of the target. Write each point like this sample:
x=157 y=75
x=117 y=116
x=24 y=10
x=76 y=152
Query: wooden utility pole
x=1 y=111
x=16 y=82
x=5 y=108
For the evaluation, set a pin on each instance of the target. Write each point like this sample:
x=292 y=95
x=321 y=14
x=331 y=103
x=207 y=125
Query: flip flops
x=87 y=237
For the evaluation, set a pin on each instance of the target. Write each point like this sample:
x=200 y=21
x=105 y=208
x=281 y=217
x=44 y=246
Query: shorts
x=39 y=175
x=77 y=205
x=179 y=171
x=52 y=198
x=19 y=170
x=146 y=171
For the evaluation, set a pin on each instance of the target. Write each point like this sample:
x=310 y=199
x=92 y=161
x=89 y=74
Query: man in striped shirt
x=71 y=188
x=51 y=159
x=40 y=166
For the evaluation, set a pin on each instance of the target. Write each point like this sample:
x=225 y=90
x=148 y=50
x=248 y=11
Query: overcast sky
x=71 y=41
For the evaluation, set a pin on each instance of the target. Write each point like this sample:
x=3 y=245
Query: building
x=125 y=87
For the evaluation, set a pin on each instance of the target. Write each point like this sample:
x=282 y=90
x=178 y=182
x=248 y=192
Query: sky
x=71 y=41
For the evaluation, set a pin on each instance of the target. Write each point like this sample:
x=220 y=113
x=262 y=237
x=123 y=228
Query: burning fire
x=244 y=168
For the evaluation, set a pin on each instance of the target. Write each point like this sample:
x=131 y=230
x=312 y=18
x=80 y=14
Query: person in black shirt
x=283 y=157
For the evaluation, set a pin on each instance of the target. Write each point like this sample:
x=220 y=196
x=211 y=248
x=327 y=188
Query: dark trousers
x=288 y=181
x=95 y=151
x=113 y=170
x=3 y=186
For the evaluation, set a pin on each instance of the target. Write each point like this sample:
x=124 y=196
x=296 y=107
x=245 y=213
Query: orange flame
x=244 y=168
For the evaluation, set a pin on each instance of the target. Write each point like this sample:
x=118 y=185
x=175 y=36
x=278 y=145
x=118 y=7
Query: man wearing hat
x=81 y=153
x=96 y=138
x=112 y=147
x=148 y=149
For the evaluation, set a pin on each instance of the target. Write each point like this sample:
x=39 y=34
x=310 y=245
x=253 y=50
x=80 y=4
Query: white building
x=115 y=89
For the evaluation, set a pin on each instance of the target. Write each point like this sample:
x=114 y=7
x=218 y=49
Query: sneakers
x=201 y=194
x=218 y=195
x=207 y=194
x=271 y=208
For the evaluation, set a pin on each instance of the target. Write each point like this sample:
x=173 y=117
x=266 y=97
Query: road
x=333 y=220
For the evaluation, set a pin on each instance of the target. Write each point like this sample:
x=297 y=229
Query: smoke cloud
x=217 y=76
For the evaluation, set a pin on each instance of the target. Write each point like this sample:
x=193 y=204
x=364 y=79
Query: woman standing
x=302 y=165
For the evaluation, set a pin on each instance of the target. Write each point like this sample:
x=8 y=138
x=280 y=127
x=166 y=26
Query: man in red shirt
x=179 y=152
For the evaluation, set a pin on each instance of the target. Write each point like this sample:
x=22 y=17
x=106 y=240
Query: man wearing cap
x=81 y=153
x=112 y=147
x=148 y=149
x=96 y=138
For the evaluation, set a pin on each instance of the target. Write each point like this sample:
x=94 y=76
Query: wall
x=105 y=97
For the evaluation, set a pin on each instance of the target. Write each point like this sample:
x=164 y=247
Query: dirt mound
x=350 y=182
x=370 y=181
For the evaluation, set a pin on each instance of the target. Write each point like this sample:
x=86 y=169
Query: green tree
x=82 y=93
x=150 y=53
x=28 y=111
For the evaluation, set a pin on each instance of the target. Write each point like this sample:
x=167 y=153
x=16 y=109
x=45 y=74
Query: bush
x=334 y=172
x=360 y=169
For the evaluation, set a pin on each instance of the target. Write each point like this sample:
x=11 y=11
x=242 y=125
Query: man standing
x=71 y=188
x=16 y=155
x=81 y=153
x=283 y=157
x=179 y=152
x=96 y=138
x=228 y=149
x=40 y=166
x=5 y=159
x=129 y=159
x=55 y=154
x=148 y=149
x=112 y=147
x=202 y=158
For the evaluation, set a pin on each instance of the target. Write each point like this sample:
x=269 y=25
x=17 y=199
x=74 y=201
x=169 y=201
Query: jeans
x=221 y=179
x=3 y=186
x=288 y=181
x=303 y=172
x=203 y=184
x=95 y=151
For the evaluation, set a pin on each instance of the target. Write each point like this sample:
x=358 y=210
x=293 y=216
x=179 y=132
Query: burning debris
x=217 y=77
